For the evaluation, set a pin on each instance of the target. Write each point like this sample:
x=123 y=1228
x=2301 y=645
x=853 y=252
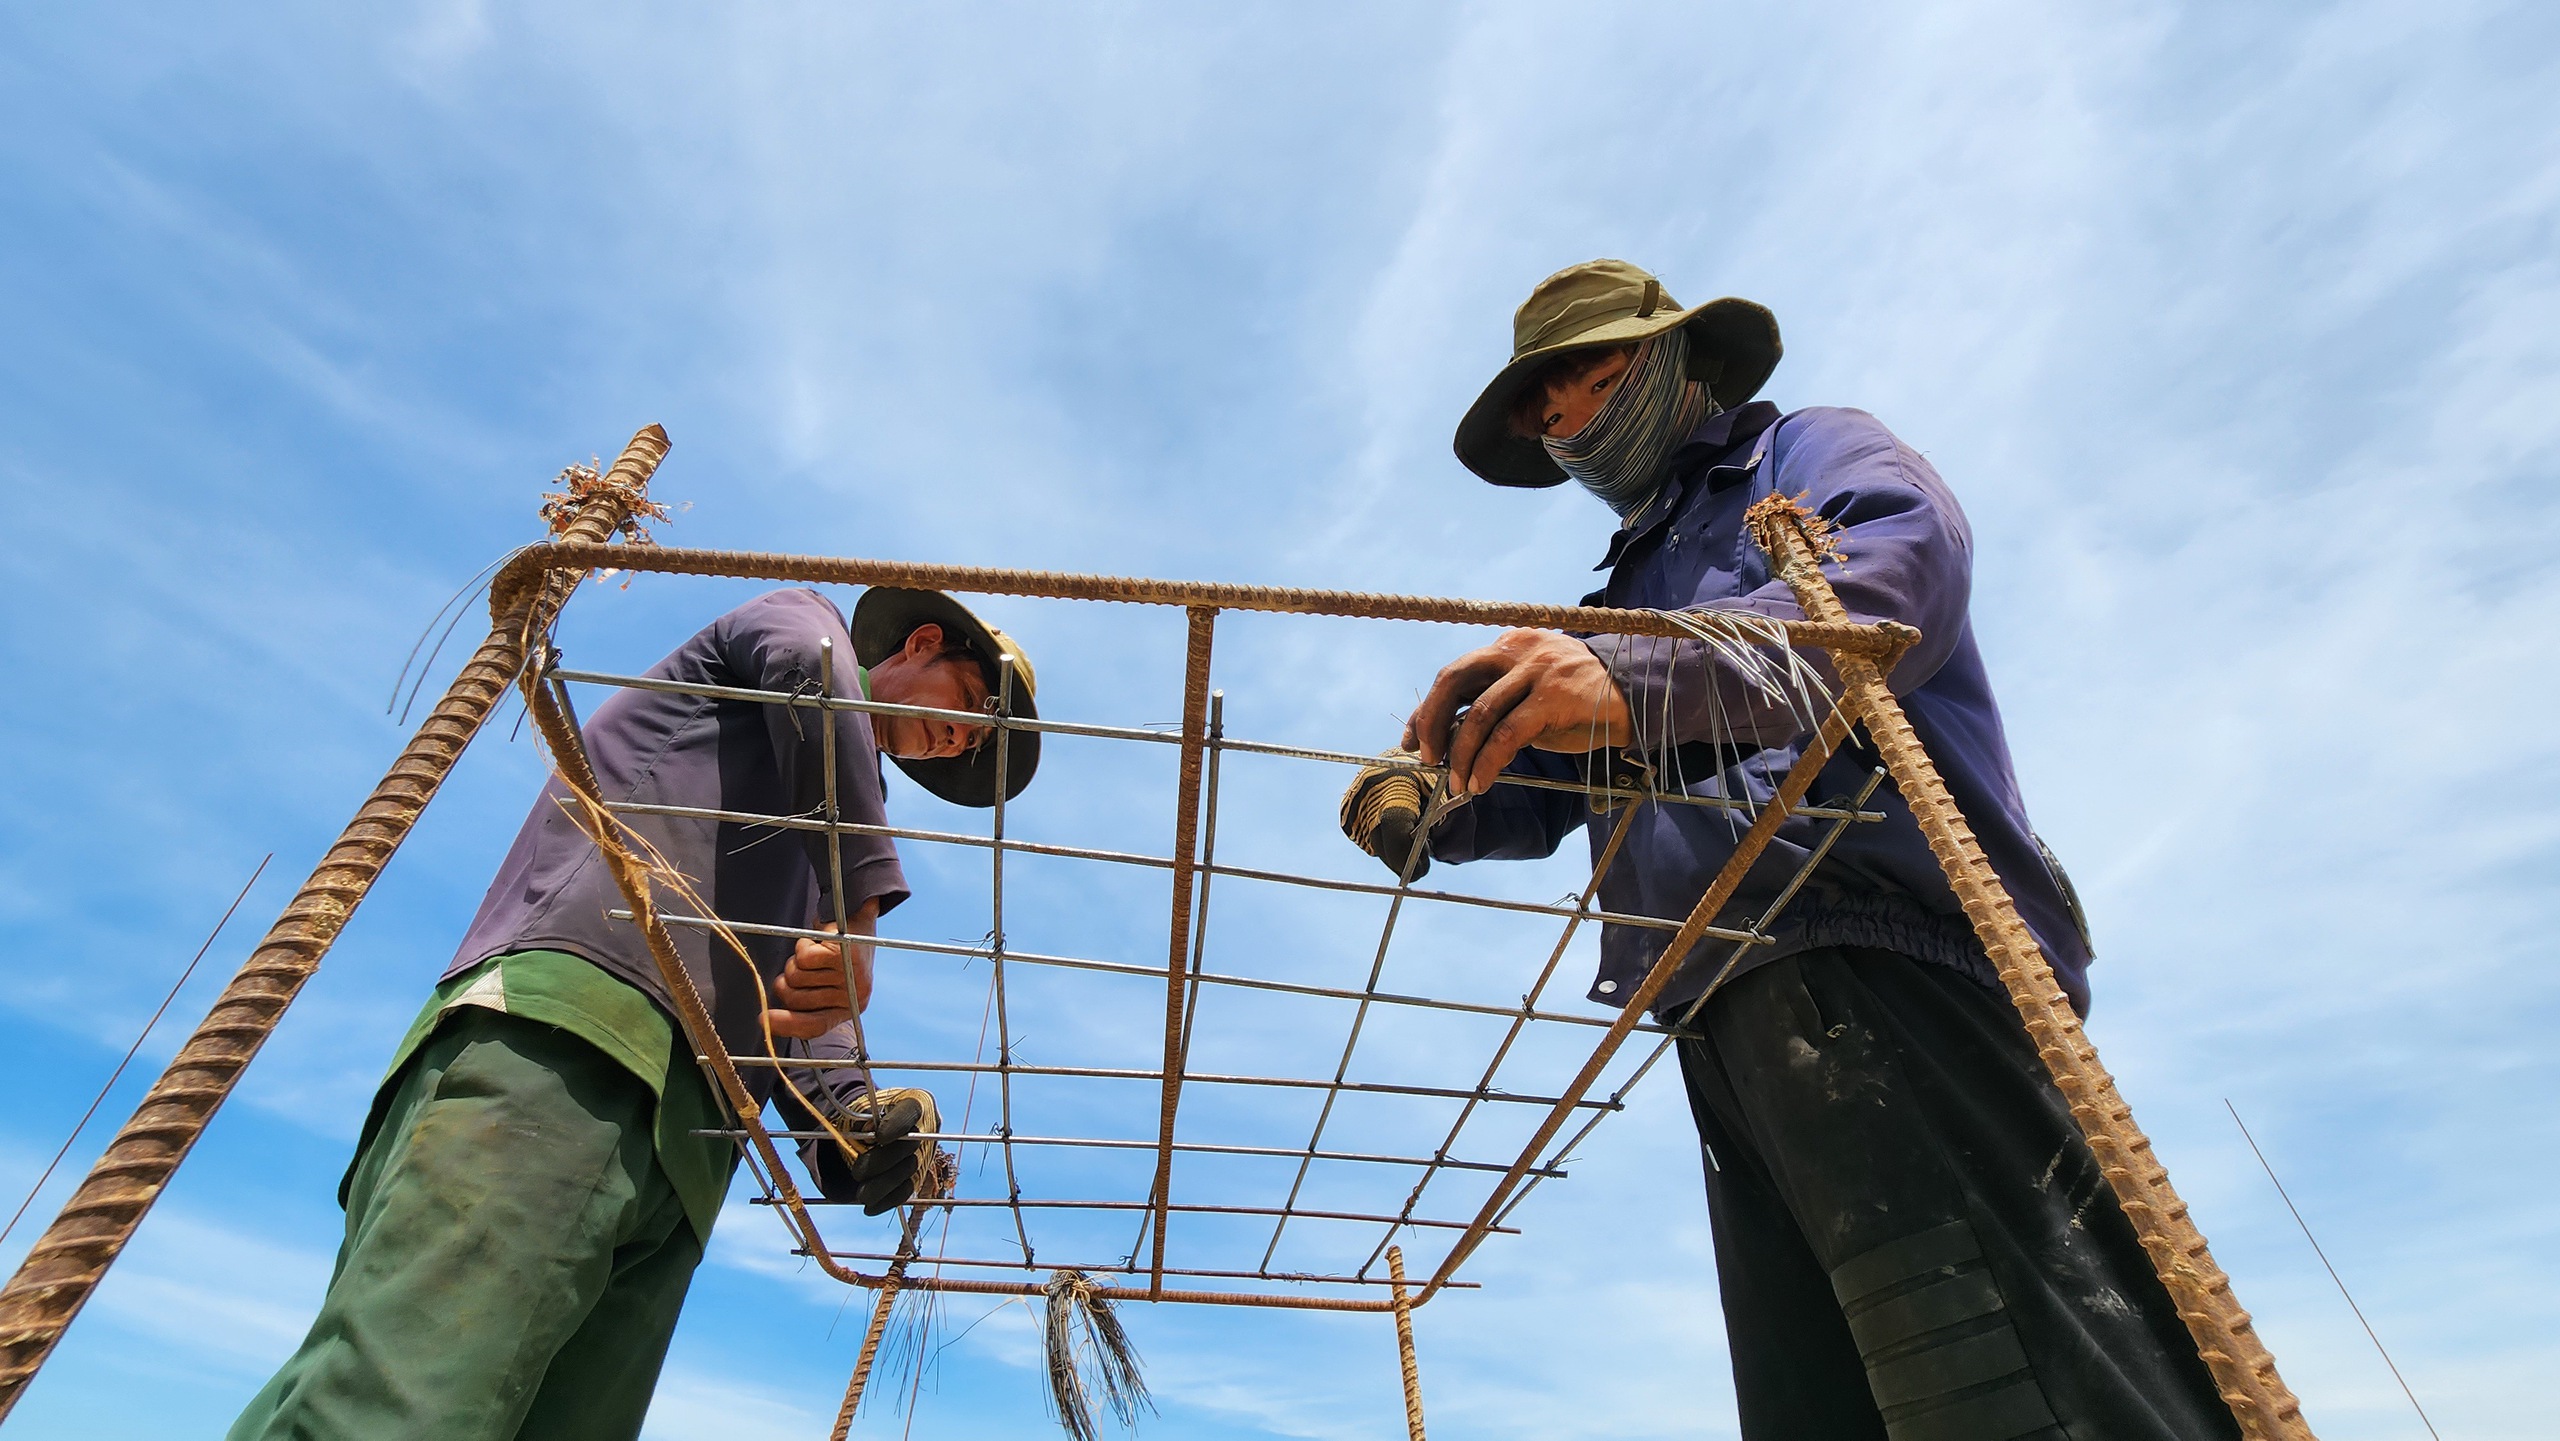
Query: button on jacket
x=1909 y=558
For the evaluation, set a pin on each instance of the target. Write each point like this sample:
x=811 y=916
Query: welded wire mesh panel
x=1170 y=924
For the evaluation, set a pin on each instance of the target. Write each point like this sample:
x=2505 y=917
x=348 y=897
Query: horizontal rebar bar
x=1105 y=1143
x=1134 y=733
x=1189 y=1078
x=1125 y=968
x=1124 y=1268
x=999 y=1203
x=1886 y=638
x=1133 y=858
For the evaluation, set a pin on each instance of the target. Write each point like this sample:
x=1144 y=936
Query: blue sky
x=2237 y=330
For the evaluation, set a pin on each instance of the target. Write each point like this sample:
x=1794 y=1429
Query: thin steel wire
x=1197 y=1208
x=835 y=851
x=133 y=1050
x=995 y=953
x=1189 y=1078
x=1090 y=730
x=2341 y=1281
x=1117 y=1143
x=1127 y=1268
x=1153 y=973
x=1133 y=858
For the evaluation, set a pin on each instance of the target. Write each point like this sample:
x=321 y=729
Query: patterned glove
x=882 y=1166
x=1382 y=811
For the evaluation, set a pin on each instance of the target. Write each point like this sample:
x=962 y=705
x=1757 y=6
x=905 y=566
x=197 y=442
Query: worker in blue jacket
x=1912 y=1239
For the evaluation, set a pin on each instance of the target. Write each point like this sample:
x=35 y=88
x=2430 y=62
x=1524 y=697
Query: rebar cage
x=1461 y=1182
x=1222 y=1209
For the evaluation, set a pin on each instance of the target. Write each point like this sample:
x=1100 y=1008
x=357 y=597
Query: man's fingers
x=1459 y=682
x=1467 y=756
x=805 y=1025
x=1519 y=729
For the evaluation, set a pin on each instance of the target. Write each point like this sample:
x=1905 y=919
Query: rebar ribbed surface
x=67 y=1261
x=2242 y=1367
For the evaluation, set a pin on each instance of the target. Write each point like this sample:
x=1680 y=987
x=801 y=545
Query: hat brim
x=1737 y=340
x=882 y=620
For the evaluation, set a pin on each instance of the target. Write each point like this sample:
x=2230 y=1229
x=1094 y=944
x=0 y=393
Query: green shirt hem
x=556 y=988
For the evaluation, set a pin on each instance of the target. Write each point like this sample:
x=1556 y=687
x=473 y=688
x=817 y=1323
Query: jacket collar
x=1713 y=457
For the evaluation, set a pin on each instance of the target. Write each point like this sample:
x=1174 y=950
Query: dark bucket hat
x=1733 y=345
x=883 y=619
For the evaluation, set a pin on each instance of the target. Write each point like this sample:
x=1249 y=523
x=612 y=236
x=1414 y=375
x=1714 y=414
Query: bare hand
x=1530 y=688
x=809 y=996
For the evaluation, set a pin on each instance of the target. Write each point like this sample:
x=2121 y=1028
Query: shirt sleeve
x=1511 y=822
x=771 y=643
x=1908 y=557
x=834 y=1087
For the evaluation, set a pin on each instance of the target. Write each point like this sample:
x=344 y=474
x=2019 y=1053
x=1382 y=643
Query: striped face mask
x=1618 y=456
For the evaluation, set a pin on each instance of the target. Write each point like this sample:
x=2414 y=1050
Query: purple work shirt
x=555 y=892
x=1910 y=559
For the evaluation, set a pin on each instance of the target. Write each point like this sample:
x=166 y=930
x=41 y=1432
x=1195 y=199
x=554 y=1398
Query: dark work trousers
x=1912 y=1239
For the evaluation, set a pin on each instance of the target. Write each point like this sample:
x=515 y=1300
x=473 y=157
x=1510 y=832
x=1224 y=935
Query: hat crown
x=1582 y=298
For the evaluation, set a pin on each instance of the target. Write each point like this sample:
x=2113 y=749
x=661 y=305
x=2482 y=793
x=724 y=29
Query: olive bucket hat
x=1733 y=345
x=883 y=619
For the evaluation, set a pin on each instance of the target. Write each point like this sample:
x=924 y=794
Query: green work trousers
x=514 y=1259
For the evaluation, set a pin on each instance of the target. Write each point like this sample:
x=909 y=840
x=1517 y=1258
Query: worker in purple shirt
x=1912 y=1239
x=534 y=1186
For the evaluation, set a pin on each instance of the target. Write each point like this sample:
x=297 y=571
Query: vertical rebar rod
x=835 y=856
x=1186 y=839
x=1208 y=867
x=1404 y=1344
x=1200 y=922
x=882 y=1302
x=2242 y=1367
x=995 y=956
x=67 y=1261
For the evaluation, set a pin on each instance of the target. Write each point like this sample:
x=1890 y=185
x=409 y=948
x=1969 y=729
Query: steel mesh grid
x=1259 y=1277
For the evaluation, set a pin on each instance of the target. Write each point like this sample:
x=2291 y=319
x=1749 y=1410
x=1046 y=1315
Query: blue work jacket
x=1909 y=558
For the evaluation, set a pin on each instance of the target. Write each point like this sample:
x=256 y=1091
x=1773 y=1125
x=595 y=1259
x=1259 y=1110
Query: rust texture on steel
x=881 y=1303
x=1887 y=638
x=2224 y=1335
x=1404 y=1346
x=1186 y=842
x=66 y=1263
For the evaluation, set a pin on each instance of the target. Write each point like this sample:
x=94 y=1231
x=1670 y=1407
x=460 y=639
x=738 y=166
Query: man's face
x=1576 y=394
x=919 y=674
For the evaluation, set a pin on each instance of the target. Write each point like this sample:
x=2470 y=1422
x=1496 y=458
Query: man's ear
x=924 y=643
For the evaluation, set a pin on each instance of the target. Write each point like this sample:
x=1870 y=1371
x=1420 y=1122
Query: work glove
x=1382 y=811
x=881 y=1165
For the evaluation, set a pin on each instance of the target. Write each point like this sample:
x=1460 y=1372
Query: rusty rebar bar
x=1404 y=1345
x=1885 y=639
x=2242 y=1368
x=1186 y=840
x=67 y=1261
